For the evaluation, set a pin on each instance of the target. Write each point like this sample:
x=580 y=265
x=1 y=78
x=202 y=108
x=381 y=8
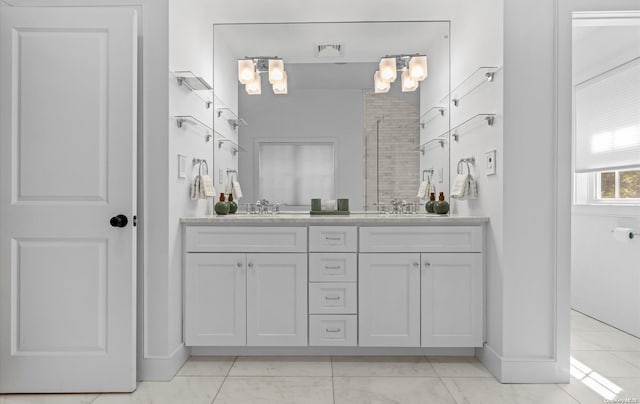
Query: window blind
x=294 y=172
x=607 y=120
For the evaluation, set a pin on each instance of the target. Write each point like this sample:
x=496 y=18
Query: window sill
x=608 y=209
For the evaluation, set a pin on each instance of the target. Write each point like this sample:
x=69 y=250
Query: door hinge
x=135 y=220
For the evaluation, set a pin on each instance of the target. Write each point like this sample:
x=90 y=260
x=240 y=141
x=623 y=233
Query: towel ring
x=206 y=166
x=460 y=170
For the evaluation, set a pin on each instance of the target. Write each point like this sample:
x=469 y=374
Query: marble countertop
x=422 y=219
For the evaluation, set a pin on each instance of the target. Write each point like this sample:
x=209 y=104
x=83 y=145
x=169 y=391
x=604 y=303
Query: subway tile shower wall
x=391 y=170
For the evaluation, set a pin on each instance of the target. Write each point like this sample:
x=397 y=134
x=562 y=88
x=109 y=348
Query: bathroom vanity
x=413 y=281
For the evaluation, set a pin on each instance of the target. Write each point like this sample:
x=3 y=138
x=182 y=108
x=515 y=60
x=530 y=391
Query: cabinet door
x=277 y=299
x=389 y=299
x=452 y=300
x=215 y=299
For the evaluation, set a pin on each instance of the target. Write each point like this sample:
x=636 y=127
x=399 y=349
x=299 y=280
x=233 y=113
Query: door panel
x=452 y=299
x=215 y=302
x=389 y=296
x=67 y=165
x=51 y=167
x=276 y=299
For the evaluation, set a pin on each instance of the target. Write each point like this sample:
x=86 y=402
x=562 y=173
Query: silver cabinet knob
x=427 y=264
x=415 y=264
x=239 y=264
x=250 y=265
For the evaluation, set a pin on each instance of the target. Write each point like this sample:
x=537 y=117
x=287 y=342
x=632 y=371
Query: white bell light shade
x=254 y=87
x=280 y=87
x=276 y=70
x=418 y=67
x=408 y=83
x=246 y=71
x=387 y=68
x=380 y=86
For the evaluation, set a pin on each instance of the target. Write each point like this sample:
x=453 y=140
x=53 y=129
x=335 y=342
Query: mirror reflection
x=332 y=110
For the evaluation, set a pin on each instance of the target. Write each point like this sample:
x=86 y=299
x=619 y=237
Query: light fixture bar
x=412 y=68
x=250 y=68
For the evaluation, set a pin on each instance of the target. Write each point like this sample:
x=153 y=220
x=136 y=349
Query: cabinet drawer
x=333 y=238
x=326 y=298
x=421 y=239
x=333 y=267
x=331 y=330
x=245 y=239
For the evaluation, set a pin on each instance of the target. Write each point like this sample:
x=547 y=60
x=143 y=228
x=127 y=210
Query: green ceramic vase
x=222 y=207
x=233 y=206
x=441 y=206
x=429 y=205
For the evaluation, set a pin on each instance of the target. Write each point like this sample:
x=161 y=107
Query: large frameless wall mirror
x=311 y=110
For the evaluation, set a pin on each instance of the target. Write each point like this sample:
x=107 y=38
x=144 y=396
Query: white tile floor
x=605 y=366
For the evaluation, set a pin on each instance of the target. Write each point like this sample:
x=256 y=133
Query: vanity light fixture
x=380 y=85
x=250 y=69
x=413 y=70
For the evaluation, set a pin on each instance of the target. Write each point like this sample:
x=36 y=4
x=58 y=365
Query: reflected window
x=293 y=172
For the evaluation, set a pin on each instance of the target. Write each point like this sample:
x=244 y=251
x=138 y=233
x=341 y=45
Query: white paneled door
x=68 y=179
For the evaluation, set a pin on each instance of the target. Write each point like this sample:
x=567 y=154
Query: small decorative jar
x=222 y=207
x=430 y=203
x=233 y=206
x=441 y=206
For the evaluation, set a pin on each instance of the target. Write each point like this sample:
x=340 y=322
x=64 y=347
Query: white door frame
x=564 y=184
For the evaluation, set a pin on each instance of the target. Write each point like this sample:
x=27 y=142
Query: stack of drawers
x=333 y=288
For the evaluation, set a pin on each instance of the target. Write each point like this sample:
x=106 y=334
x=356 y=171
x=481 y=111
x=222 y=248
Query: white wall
x=533 y=232
x=225 y=84
x=433 y=93
x=605 y=280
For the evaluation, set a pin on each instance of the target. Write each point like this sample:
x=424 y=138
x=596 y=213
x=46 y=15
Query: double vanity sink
x=333 y=283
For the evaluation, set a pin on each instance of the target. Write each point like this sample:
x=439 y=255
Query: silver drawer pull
x=332 y=329
x=336 y=267
x=332 y=298
x=333 y=238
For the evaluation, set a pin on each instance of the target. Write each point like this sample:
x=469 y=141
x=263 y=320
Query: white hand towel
x=206 y=187
x=471 y=191
x=195 y=188
x=458 y=189
x=237 y=192
x=422 y=190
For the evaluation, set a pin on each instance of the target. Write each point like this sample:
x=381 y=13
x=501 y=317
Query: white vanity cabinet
x=215 y=299
x=389 y=294
x=452 y=299
x=334 y=285
x=257 y=297
x=421 y=286
x=333 y=296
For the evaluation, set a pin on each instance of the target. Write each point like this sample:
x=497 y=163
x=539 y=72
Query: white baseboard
x=518 y=370
x=164 y=368
x=335 y=351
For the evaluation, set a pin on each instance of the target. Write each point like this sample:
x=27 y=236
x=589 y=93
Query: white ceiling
x=363 y=42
